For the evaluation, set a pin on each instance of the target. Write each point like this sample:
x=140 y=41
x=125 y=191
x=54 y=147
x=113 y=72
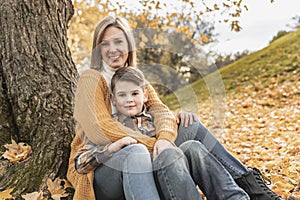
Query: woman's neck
x=107 y=73
x=107 y=69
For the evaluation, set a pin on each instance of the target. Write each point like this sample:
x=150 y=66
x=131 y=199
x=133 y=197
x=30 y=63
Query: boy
x=128 y=95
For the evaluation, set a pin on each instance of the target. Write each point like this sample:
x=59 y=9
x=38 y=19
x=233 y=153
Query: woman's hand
x=186 y=118
x=160 y=145
x=119 y=144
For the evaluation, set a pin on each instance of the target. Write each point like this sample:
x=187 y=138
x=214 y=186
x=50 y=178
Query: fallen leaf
x=56 y=188
x=34 y=196
x=6 y=194
x=17 y=152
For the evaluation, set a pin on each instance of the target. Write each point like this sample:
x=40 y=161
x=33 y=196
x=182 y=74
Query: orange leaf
x=6 y=194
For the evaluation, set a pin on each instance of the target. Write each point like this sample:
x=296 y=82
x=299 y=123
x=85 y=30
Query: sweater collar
x=143 y=114
x=107 y=72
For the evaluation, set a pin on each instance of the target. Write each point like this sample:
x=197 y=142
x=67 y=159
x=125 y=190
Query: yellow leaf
x=13 y=145
x=17 y=152
x=6 y=194
x=56 y=188
x=157 y=5
x=34 y=195
x=216 y=7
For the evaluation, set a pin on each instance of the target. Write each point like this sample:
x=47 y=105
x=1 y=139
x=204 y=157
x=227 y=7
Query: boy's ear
x=145 y=96
x=113 y=99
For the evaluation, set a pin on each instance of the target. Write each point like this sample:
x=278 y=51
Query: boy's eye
x=135 y=93
x=121 y=95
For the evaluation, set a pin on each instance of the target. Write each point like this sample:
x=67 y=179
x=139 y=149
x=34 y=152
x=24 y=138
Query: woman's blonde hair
x=122 y=24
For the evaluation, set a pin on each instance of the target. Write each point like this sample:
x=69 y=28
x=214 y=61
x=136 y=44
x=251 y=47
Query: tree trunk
x=37 y=77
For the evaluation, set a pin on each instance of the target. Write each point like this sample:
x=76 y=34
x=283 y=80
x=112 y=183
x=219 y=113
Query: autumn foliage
x=258 y=119
x=258 y=122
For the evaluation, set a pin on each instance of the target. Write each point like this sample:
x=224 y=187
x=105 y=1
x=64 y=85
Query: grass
x=257 y=70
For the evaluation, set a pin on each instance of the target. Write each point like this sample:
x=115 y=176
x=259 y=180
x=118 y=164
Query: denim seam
x=167 y=183
x=128 y=177
x=228 y=165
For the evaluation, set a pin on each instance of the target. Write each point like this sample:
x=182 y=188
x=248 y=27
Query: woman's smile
x=114 y=47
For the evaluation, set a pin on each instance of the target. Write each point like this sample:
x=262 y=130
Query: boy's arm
x=91 y=156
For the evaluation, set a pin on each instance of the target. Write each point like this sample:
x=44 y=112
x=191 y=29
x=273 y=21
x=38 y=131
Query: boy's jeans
x=211 y=175
x=199 y=132
x=178 y=169
x=126 y=175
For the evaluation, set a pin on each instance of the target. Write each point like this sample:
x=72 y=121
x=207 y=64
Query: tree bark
x=37 y=83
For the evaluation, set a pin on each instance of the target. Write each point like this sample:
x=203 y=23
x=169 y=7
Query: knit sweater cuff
x=170 y=136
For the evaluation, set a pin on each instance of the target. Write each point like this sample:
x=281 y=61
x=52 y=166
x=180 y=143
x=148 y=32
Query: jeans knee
x=191 y=147
x=170 y=156
x=137 y=148
x=137 y=152
x=137 y=159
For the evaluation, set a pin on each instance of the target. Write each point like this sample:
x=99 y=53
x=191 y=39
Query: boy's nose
x=129 y=99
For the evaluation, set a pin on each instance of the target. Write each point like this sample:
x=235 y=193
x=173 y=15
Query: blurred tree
x=295 y=22
x=279 y=35
x=224 y=60
x=183 y=16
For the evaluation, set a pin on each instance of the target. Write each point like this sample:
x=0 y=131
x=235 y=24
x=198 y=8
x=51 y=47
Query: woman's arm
x=164 y=120
x=93 y=112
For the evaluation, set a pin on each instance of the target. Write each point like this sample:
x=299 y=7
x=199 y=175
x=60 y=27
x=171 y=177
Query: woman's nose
x=112 y=48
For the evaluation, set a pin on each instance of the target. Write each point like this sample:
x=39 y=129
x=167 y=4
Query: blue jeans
x=205 y=162
x=179 y=170
x=126 y=175
x=200 y=133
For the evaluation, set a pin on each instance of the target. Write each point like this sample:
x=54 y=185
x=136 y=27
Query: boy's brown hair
x=131 y=74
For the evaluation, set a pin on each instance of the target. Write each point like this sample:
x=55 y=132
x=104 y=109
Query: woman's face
x=114 y=47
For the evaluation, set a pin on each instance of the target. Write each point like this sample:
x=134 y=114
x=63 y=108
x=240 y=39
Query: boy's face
x=129 y=98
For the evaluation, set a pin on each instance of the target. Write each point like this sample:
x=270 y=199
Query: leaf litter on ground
x=261 y=128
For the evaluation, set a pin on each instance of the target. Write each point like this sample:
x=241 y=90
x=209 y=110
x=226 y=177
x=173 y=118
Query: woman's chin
x=116 y=64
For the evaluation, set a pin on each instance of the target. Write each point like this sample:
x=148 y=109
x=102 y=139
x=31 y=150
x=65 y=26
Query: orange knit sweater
x=92 y=113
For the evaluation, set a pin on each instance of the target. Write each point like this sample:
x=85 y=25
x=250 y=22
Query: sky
x=259 y=24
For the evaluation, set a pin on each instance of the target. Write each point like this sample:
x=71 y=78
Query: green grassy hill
x=277 y=62
x=258 y=122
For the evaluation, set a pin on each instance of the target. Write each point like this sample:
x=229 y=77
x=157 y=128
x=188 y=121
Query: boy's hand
x=119 y=144
x=160 y=145
x=186 y=118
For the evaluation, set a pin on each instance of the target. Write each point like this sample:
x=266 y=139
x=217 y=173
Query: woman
x=113 y=47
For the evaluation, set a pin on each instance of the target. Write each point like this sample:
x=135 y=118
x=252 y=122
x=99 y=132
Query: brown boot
x=254 y=184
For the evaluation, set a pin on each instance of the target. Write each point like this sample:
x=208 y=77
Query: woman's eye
x=119 y=41
x=103 y=43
